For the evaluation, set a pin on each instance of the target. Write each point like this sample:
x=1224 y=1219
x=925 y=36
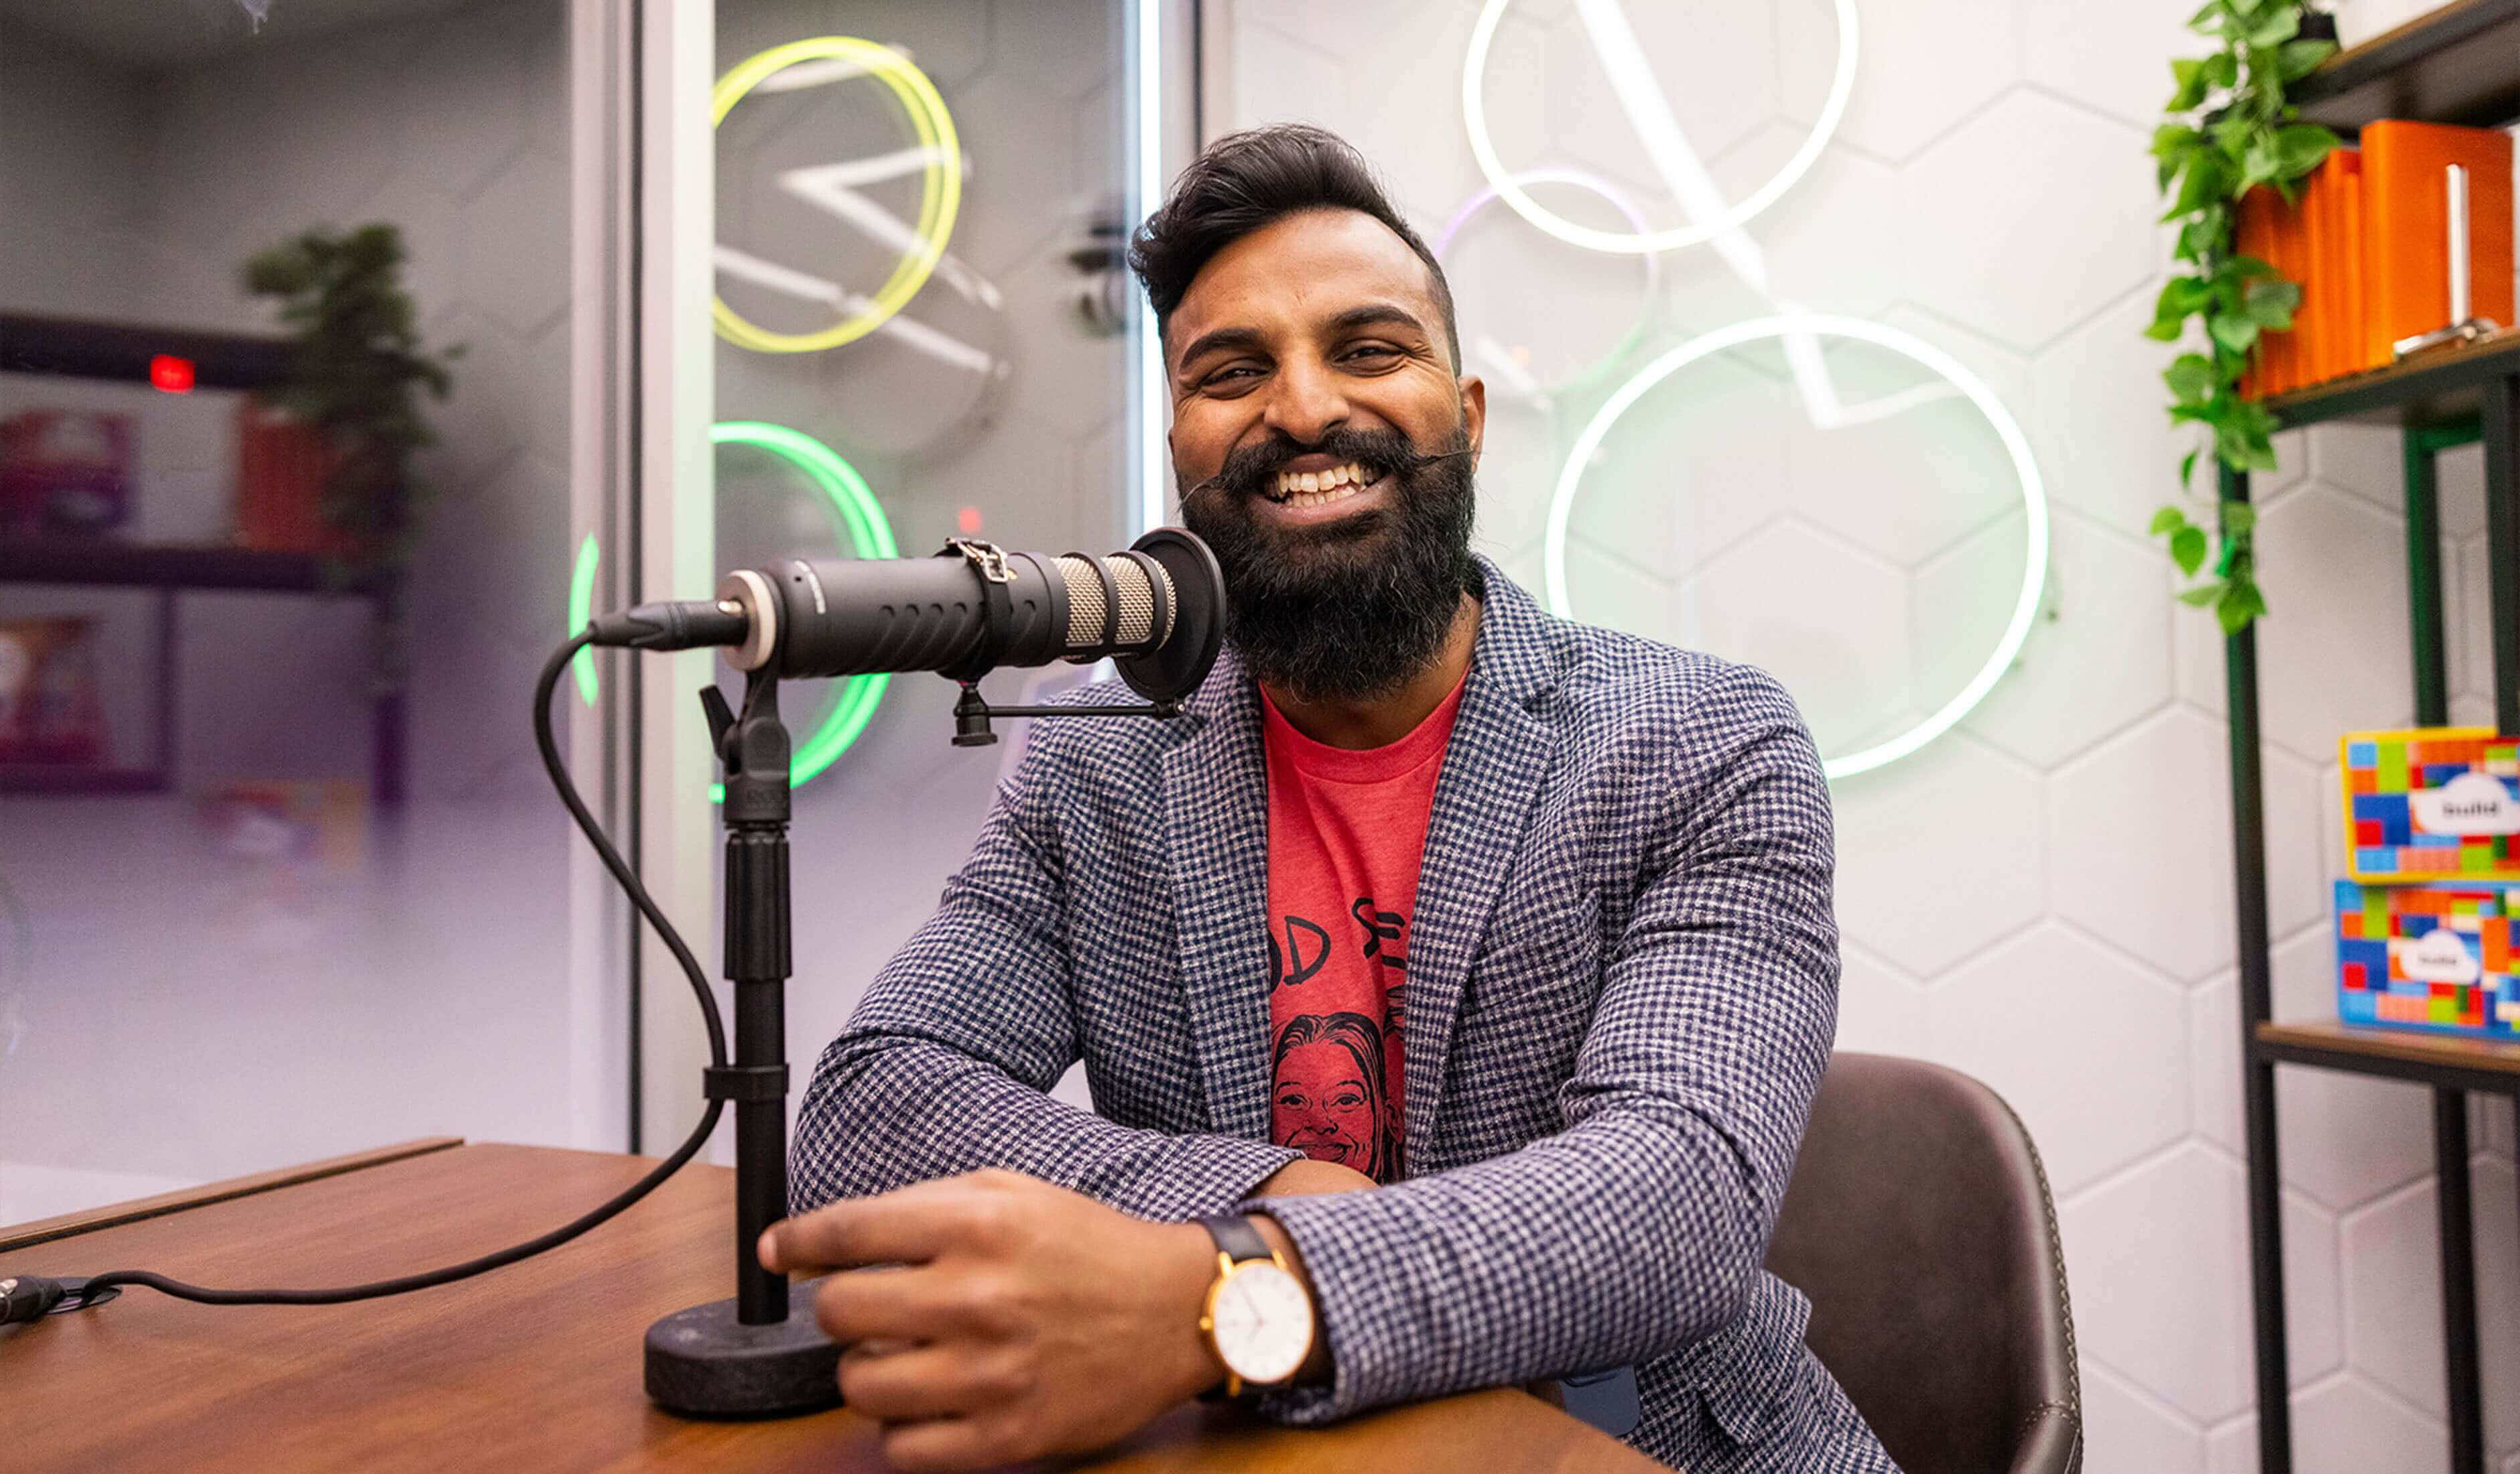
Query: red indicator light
x=967 y=521
x=171 y=374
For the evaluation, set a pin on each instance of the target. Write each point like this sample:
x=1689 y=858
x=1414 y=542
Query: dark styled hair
x=1246 y=180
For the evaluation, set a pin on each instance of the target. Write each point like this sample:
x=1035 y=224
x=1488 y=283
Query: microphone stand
x=760 y=1354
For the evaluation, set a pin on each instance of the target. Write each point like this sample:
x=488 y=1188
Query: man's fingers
x=954 y=1443
x=893 y=1305
x=925 y=1383
x=910 y=1227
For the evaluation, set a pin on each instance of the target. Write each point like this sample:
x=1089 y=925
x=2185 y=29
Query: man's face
x=1323 y=446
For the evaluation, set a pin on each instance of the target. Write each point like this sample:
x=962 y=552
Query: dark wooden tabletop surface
x=530 y=1368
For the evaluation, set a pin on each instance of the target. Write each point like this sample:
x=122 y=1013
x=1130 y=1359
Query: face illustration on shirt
x=1328 y=1092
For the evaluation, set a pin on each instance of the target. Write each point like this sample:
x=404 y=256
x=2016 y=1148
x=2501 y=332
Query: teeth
x=1318 y=485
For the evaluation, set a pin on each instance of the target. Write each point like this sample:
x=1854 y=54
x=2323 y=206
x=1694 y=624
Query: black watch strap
x=1235 y=1239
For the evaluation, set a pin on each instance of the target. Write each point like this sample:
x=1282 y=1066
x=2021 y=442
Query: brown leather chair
x=1919 y=1223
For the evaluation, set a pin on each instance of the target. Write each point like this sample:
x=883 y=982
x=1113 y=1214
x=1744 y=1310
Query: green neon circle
x=870 y=536
x=2034 y=496
x=581 y=611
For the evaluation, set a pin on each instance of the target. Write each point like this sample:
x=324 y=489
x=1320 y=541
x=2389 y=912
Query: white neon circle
x=2034 y=496
x=1474 y=116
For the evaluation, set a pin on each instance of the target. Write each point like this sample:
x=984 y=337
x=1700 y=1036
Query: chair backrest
x=1919 y=1223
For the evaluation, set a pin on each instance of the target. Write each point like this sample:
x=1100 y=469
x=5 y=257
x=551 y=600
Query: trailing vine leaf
x=2236 y=133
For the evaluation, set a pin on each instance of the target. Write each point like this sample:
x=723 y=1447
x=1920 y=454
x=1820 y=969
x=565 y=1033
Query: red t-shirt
x=1346 y=831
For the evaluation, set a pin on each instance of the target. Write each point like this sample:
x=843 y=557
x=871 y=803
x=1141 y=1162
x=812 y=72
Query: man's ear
x=1475 y=414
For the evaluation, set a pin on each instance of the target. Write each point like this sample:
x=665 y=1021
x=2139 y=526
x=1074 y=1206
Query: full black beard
x=1351 y=609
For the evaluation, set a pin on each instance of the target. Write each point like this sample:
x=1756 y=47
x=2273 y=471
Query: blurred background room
x=353 y=351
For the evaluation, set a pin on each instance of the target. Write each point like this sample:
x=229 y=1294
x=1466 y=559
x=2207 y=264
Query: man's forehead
x=1305 y=267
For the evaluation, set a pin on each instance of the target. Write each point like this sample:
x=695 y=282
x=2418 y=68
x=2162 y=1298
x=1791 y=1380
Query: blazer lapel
x=1216 y=818
x=1494 y=764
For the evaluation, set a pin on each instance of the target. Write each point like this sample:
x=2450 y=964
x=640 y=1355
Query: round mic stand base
x=705 y=1361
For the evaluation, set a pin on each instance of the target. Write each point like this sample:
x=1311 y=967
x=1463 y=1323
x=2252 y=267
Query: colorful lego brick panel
x=2434 y=803
x=2428 y=957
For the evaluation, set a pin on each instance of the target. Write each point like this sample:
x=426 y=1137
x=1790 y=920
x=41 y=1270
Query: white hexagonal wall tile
x=2116 y=1094
x=948 y=42
x=1388 y=79
x=1064 y=374
x=2065 y=254
x=1524 y=343
x=1908 y=486
x=1825 y=618
x=486 y=417
x=2332 y=652
x=2345 y=1140
x=1616 y=592
x=1694 y=470
x=2393 y=1297
x=1067 y=47
x=1880 y=1010
x=2114 y=58
x=2467 y=620
x=2101 y=425
x=1716 y=64
x=2097 y=659
x=1017 y=136
x=2350 y=1427
x=1918 y=71
x=469 y=130
x=1518 y=461
x=2161 y=889
x=515 y=245
x=1931 y=855
x=2139 y=1431
x=1802 y=237
x=2157 y=1259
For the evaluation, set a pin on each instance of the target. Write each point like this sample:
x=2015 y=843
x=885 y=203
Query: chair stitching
x=2056 y=1260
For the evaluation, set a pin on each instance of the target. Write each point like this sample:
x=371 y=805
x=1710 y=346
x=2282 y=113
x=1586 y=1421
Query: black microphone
x=1157 y=611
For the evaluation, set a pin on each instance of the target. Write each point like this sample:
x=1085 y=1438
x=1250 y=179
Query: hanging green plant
x=2236 y=133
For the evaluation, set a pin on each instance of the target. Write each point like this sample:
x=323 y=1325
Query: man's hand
x=1022 y=1320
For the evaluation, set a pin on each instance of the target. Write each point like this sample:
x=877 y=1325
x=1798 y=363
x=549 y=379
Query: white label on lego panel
x=2439 y=956
x=2471 y=803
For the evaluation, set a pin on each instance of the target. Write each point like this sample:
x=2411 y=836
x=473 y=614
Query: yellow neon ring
x=940 y=196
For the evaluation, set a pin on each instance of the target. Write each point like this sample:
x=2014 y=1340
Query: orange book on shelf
x=2290 y=259
x=2406 y=237
x=2311 y=328
x=2253 y=233
x=2352 y=341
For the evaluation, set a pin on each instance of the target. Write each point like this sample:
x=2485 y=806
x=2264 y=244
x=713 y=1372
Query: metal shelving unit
x=121 y=351
x=2455 y=398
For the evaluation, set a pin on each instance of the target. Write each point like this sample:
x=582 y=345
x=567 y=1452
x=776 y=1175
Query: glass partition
x=279 y=875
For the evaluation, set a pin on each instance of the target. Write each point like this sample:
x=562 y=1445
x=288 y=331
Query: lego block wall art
x=2427 y=957
x=2436 y=803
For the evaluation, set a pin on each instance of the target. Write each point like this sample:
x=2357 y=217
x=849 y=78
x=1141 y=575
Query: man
x=1452 y=980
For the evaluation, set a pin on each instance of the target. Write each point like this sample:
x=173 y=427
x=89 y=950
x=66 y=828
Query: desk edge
x=70 y=1225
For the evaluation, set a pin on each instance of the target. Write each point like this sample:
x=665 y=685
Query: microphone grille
x=1086 y=612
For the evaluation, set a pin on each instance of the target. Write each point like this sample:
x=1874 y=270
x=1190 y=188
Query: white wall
x=2044 y=898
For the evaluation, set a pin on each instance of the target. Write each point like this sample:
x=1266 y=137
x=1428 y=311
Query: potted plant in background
x=327 y=456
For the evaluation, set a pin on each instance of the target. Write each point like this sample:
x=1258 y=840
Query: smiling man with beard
x=1575 y=886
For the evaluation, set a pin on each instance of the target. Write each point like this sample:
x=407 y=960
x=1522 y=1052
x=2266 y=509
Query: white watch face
x=1263 y=1322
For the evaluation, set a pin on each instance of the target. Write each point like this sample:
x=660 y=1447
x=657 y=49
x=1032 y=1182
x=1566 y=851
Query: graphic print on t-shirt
x=1347 y=829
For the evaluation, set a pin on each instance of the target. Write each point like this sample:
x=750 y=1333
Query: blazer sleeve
x=945 y=1064
x=1641 y=1226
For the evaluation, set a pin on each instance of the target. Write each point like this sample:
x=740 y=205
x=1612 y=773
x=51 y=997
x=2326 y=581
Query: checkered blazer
x=1622 y=990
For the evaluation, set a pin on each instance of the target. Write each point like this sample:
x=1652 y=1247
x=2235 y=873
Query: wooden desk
x=534 y=1367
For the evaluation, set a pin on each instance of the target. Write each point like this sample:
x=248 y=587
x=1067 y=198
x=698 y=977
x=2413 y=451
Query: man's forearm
x=884 y=1111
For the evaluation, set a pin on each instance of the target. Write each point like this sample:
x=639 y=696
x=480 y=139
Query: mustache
x=1253 y=467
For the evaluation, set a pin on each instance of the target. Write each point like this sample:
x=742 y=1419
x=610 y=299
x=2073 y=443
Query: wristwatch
x=1258 y=1319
